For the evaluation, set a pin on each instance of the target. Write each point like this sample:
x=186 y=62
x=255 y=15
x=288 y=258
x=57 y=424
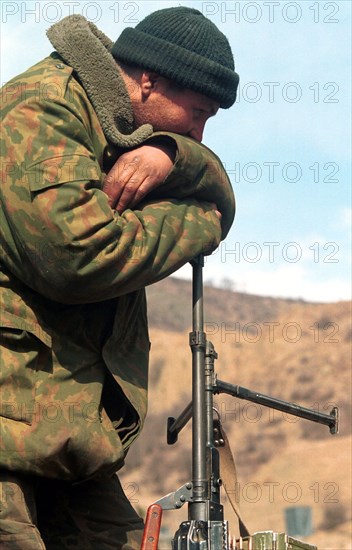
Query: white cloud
x=346 y=218
x=294 y=281
x=286 y=280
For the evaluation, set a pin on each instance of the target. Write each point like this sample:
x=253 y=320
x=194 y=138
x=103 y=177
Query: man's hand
x=136 y=173
x=215 y=208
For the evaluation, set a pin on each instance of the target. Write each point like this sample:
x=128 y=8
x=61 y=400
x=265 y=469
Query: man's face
x=170 y=108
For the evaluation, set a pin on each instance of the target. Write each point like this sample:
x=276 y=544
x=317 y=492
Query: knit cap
x=182 y=45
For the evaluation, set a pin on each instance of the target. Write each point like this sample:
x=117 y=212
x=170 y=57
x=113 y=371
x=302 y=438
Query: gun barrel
x=197 y=508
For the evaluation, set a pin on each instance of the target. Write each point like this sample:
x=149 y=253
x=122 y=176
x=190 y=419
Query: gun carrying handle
x=152 y=528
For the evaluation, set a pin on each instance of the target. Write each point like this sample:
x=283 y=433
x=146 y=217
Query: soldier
x=106 y=188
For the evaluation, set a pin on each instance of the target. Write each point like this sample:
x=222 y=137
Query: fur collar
x=87 y=50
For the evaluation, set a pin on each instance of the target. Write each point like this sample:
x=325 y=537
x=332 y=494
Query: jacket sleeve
x=198 y=173
x=60 y=236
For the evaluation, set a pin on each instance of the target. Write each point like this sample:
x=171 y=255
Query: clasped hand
x=136 y=173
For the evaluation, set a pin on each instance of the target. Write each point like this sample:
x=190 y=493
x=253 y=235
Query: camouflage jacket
x=74 y=333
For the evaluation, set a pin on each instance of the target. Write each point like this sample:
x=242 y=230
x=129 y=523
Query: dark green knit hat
x=182 y=45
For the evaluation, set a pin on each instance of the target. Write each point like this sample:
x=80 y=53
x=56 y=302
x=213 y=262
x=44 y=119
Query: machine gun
x=206 y=528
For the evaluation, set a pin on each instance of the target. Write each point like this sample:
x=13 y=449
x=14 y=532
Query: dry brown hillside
x=293 y=350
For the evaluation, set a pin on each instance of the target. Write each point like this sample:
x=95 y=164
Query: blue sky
x=285 y=144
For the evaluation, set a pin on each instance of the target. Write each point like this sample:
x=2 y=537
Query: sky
x=285 y=143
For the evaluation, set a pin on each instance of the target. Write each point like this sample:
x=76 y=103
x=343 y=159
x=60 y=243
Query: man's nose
x=197 y=132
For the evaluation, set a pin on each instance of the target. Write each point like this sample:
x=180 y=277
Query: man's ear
x=148 y=82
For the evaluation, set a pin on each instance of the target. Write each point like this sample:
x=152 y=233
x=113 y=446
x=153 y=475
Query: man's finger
x=215 y=207
x=117 y=179
x=133 y=194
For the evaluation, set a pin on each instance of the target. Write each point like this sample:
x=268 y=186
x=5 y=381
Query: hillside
x=293 y=350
